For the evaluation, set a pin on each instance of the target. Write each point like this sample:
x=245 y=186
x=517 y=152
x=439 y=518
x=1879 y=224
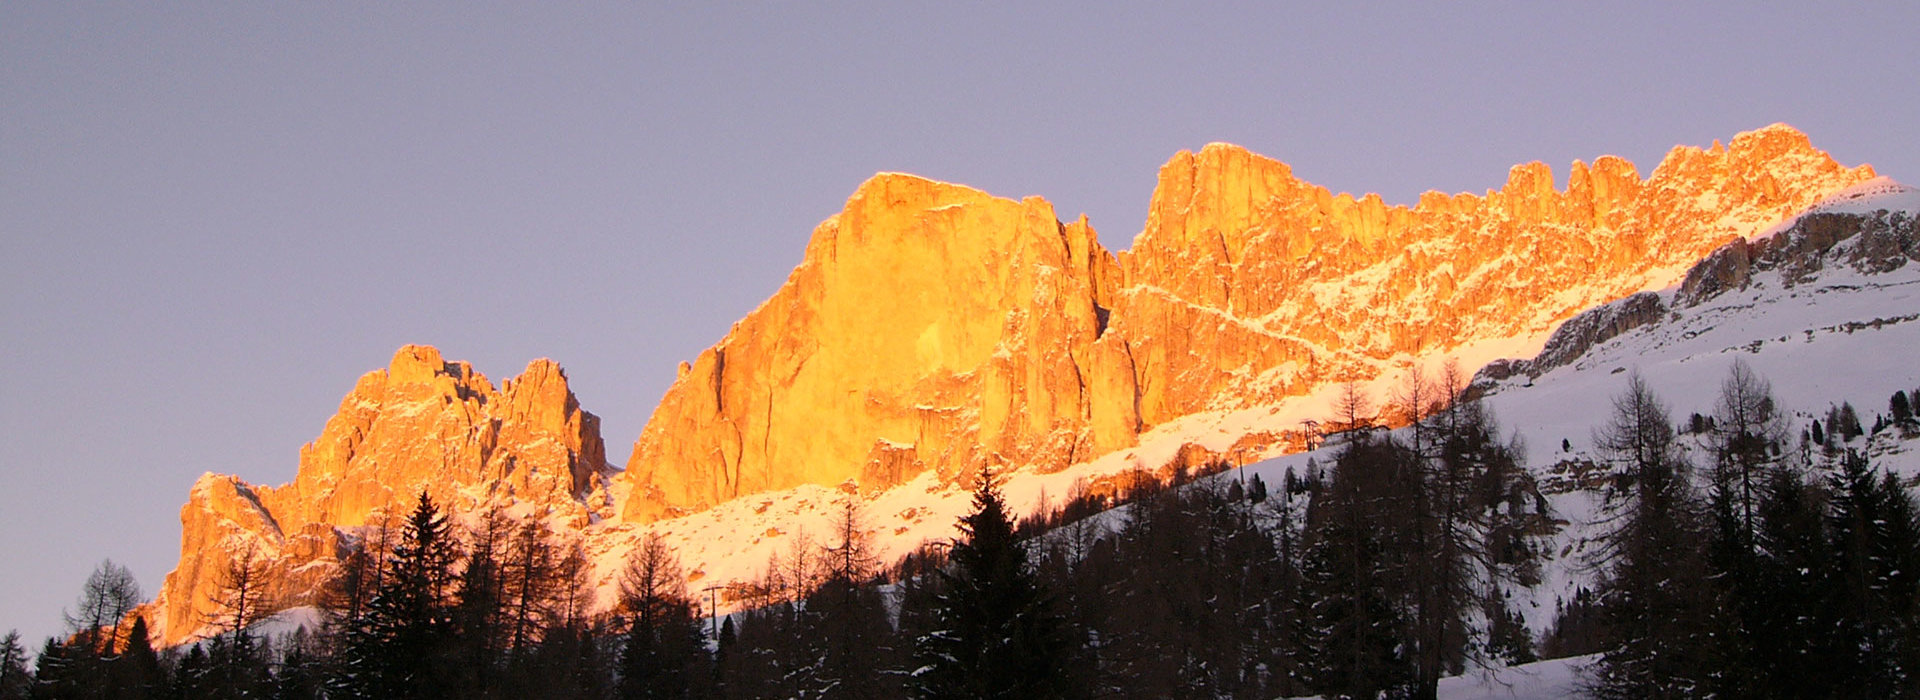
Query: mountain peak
x=909 y=190
x=422 y=424
x=932 y=328
x=1247 y=284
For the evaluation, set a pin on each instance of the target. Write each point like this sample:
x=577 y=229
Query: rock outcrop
x=422 y=424
x=1869 y=242
x=1869 y=228
x=1574 y=337
x=931 y=326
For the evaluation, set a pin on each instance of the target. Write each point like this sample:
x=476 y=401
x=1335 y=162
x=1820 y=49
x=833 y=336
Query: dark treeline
x=1768 y=572
x=1777 y=570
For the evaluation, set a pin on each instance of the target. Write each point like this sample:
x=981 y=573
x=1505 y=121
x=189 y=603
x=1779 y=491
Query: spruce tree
x=1788 y=647
x=15 y=680
x=402 y=646
x=1203 y=628
x=996 y=633
x=1875 y=587
x=301 y=672
x=1354 y=570
x=234 y=670
x=1657 y=604
x=1898 y=577
x=190 y=678
x=137 y=672
x=66 y=671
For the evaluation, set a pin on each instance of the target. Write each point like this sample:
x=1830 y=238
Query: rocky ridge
x=1831 y=233
x=944 y=329
x=931 y=328
x=421 y=424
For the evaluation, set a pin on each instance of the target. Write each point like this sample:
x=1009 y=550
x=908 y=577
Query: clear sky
x=214 y=218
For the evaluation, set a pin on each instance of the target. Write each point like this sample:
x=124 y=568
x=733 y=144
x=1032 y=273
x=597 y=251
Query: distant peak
x=894 y=181
x=423 y=364
x=541 y=372
x=1223 y=147
x=544 y=365
x=893 y=190
x=1775 y=129
x=1878 y=193
x=411 y=355
x=887 y=177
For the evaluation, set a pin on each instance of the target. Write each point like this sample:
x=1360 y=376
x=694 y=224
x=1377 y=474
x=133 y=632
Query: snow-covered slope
x=1557 y=679
x=1829 y=323
x=1827 y=320
x=1512 y=263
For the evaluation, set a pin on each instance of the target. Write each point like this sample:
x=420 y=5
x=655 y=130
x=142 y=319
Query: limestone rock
x=421 y=424
x=1243 y=269
x=931 y=326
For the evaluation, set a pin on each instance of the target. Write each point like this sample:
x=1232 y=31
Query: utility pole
x=713 y=605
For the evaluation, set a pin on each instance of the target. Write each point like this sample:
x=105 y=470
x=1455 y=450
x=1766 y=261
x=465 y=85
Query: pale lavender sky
x=214 y=218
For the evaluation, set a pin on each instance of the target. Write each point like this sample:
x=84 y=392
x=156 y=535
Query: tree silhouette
x=15 y=681
x=1657 y=601
x=109 y=594
x=664 y=656
x=400 y=647
x=996 y=635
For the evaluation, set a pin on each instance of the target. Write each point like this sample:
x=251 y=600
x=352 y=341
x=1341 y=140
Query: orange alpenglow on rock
x=422 y=424
x=931 y=326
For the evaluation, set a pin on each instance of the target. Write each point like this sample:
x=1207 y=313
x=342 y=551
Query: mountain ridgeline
x=932 y=328
x=942 y=328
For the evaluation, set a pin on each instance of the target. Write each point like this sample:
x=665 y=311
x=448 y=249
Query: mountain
x=942 y=328
x=931 y=329
x=421 y=424
x=1822 y=305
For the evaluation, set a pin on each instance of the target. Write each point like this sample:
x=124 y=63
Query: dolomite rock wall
x=931 y=326
x=422 y=424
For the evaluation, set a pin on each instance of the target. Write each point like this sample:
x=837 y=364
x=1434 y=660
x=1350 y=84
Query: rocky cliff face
x=940 y=328
x=422 y=424
x=1865 y=238
x=930 y=326
x=1838 y=232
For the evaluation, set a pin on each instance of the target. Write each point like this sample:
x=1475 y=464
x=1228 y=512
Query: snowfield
x=1541 y=680
x=1557 y=679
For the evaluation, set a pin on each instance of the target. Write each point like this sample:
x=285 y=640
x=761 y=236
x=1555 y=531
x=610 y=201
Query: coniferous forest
x=1743 y=557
